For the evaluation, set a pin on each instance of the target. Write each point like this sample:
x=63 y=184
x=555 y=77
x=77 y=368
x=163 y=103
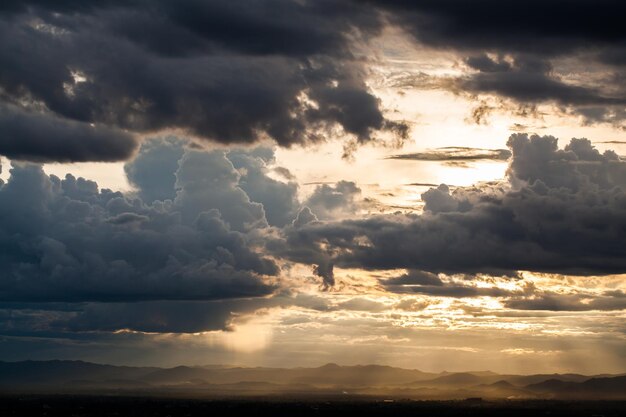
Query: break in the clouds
x=229 y=72
x=561 y=211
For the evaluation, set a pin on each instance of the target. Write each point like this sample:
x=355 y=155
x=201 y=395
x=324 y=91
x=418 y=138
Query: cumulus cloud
x=65 y=240
x=153 y=170
x=561 y=210
x=209 y=179
x=179 y=254
x=221 y=71
x=279 y=199
x=331 y=201
x=305 y=216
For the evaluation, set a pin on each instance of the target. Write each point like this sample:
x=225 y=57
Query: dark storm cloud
x=456 y=154
x=43 y=137
x=223 y=71
x=562 y=210
x=155 y=316
x=69 y=320
x=534 y=26
x=529 y=79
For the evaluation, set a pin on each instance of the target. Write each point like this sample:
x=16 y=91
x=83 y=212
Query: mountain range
x=331 y=379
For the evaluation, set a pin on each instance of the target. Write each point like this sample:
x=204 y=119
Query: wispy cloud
x=456 y=154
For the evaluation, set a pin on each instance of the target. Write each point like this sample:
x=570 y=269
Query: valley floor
x=122 y=406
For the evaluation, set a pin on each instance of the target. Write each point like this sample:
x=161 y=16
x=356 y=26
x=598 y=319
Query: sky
x=435 y=185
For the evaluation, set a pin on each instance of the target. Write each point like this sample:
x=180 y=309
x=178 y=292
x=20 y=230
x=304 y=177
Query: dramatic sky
x=431 y=184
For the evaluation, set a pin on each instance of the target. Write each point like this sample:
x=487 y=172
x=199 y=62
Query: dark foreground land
x=96 y=406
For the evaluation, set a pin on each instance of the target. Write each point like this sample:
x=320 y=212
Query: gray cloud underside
x=561 y=211
x=45 y=137
x=62 y=319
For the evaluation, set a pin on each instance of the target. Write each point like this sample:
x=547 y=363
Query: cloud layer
x=569 y=54
x=232 y=72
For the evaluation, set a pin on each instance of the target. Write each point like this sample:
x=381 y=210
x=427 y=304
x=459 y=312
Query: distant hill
x=377 y=380
x=35 y=373
x=593 y=388
x=461 y=379
x=523 y=380
x=501 y=385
